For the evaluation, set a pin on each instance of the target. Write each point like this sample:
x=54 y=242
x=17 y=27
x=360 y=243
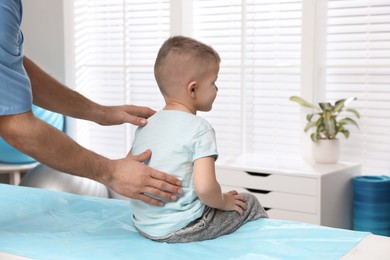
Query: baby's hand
x=234 y=201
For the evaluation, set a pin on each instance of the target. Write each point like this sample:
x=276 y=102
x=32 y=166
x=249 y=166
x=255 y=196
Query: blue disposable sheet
x=43 y=224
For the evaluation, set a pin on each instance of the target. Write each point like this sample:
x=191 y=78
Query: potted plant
x=328 y=123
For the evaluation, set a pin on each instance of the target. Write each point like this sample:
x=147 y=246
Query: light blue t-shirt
x=176 y=139
x=15 y=87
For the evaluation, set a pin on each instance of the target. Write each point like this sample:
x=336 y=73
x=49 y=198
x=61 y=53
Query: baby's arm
x=209 y=191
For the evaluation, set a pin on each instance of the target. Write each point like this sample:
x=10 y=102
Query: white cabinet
x=293 y=189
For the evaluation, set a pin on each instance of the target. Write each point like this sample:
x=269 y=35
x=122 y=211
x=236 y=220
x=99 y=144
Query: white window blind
x=272 y=75
x=116 y=43
x=219 y=24
x=259 y=43
x=358 y=64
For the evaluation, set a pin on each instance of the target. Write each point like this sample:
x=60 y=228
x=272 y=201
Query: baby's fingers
x=241 y=204
x=240 y=197
x=239 y=210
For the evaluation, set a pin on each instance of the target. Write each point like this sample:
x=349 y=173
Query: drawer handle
x=258 y=191
x=258 y=174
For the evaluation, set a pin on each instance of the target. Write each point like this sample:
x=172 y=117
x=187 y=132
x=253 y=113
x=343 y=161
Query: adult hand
x=142 y=179
x=51 y=94
x=116 y=115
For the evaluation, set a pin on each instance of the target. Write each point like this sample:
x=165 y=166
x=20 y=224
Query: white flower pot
x=326 y=151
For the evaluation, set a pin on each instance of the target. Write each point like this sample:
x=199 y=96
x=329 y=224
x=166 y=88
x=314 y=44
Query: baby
x=184 y=145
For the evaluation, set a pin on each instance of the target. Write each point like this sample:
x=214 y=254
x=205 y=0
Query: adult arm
x=132 y=182
x=209 y=191
x=127 y=176
x=51 y=94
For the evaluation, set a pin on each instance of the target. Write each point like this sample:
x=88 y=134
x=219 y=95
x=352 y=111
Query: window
x=358 y=64
x=260 y=43
x=115 y=43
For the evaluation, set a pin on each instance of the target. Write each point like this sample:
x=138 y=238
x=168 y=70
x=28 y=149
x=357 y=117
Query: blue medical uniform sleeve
x=15 y=87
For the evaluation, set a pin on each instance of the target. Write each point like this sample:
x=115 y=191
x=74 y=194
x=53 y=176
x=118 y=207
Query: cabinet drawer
x=270 y=182
x=293 y=216
x=279 y=200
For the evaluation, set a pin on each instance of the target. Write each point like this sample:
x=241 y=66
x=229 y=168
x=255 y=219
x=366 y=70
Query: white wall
x=43 y=30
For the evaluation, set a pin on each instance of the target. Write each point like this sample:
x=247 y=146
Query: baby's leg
x=215 y=223
x=254 y=208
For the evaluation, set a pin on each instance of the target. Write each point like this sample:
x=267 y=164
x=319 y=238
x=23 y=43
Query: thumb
x=233 y=192
x=140 y=157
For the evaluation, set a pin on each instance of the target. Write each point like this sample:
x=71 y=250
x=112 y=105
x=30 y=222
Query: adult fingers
x=165 y=181
x=156 y=183
x=137 y=115
x=139 y=111
x=166 y=187
x=136 y=120
x=160 y=193
x=140 y=157
x=149 y=200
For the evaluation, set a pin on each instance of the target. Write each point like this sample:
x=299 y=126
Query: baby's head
x=184 y=63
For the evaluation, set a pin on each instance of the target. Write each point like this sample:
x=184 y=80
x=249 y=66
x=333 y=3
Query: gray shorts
x=214 y=223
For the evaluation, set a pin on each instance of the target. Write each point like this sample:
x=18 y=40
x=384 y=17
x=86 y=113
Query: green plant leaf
x=320 y=125
x=349 y=100
x=354 y=111
x=329 y=125
x=326 y=106
x=310 y=125
x=345 y=132
x=314 y=137
x=338 y=105
x=348 y=120
x=302 y=102
x=342 y=103
x=325 y=120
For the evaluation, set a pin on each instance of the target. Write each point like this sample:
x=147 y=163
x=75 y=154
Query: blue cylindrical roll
x=371 y=204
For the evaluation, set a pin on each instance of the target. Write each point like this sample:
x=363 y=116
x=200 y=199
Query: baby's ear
x=191 y=88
